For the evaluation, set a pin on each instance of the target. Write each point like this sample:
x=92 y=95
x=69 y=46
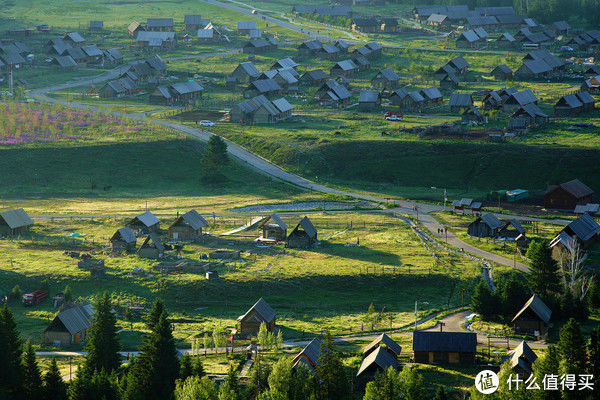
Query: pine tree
x=572 y=349
x=230 y=389
x=483 y=301
x=330 y=378
x=32 y=378
x=154 y=373
x=54 y=386
x=102 y=345
x=157 y=309
x=11 y=372
x=259 y=378
x=549 y=364
x=263 y=335
x=412 y=384
x=544 y=277
x=512 y=293
x=185 y=367
x=94 y=385
x=214 y=159
x=386 y=386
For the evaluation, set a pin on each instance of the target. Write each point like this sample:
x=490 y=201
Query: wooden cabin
x=432 y=347
x=304 y=235
x=14 y=222
x=487 y=225
x=273 y=228
x=249 y=323
x=187 y=227
x=309 y=356
x=533 y=318
x=70 y=326
x=568 y=195
x=144 y=223
x=123 y=241
x=520 y=359
x=152 y=247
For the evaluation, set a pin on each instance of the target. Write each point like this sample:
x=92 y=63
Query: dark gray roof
x=569 y=100
x=96 y=24
x=385 y=339
x=373 y=46
x=65 y=61
x=339 y=90
x=522 y=98
x=538 y=307
x=459 y=63
x=125 y=234
x=285 y=63
x=75 y=37
x=77 y=318
x=544 y=55
x=249 y=69
x=59 y=45
x=584 y=227
x=368 y=96
x=330 y=49
x=530 y=22
x=503 y=68
x=146 y=36
x=481 y=32
x=147 y=218
x=389 y=74
x=160 y=22
x=468 y=36
x=416 y=97
x=265 y=85
x=522 y=356
x=92 y=50
x=16 y=218
x=509 y=19
x=346 y=65
x=491 y=220
x=263 y=309
x=464 y=342
x=275 y=218
x=76 y=53
x=475 y=20
x=507 y=36
x=157 y=243
x=439 y=18
x=381 y=358
x=460 y=100
x=585 y=98
x=307 y=226
x=537 y=66
x=114 y=53
x=12 y=58
x=193 y=219
x=591 y=208
x=496 y=10
x=431 y=93
x=316 y=74
x=195 y=20
x=282 y=105
x=312 y=351
x=531 y=110
x=363 y=50
x=187 y=87
x=312 y=45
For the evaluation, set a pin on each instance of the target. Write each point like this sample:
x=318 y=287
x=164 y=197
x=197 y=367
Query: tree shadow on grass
x=360 y=253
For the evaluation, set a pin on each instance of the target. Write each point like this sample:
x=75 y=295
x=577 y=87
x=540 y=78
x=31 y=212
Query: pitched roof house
x=14 y=222
x=444 y=347
x=303 y=235
x=567 y=195
x=309 y=356
x=187 y=226
x=533 y=317
x=69 y=326
x=249 y=323
x=145 y=222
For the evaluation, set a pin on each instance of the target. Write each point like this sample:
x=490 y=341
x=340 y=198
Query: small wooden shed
x=123 y=240
x=303 y=235
x=187 y=227
x=249 y=323
x=487 y=225
x=273 y=228
x=533 y=318
x=14 y=222
x=70 y=326
x=144 y=223
x=152 y=247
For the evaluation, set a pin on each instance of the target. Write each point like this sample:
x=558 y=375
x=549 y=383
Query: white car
x=393 y=118
x=206 y=122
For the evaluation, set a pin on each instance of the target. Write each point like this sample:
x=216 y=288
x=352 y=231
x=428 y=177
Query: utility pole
x=10 y=80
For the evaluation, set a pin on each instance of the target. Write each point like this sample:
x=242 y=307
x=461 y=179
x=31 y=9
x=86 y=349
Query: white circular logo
x=487 y=381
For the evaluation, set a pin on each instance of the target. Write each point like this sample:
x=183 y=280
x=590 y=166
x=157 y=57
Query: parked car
x=393 y=116
x=206 y=122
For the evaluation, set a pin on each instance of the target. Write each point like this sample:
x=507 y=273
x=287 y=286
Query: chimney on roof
x=442 y=324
